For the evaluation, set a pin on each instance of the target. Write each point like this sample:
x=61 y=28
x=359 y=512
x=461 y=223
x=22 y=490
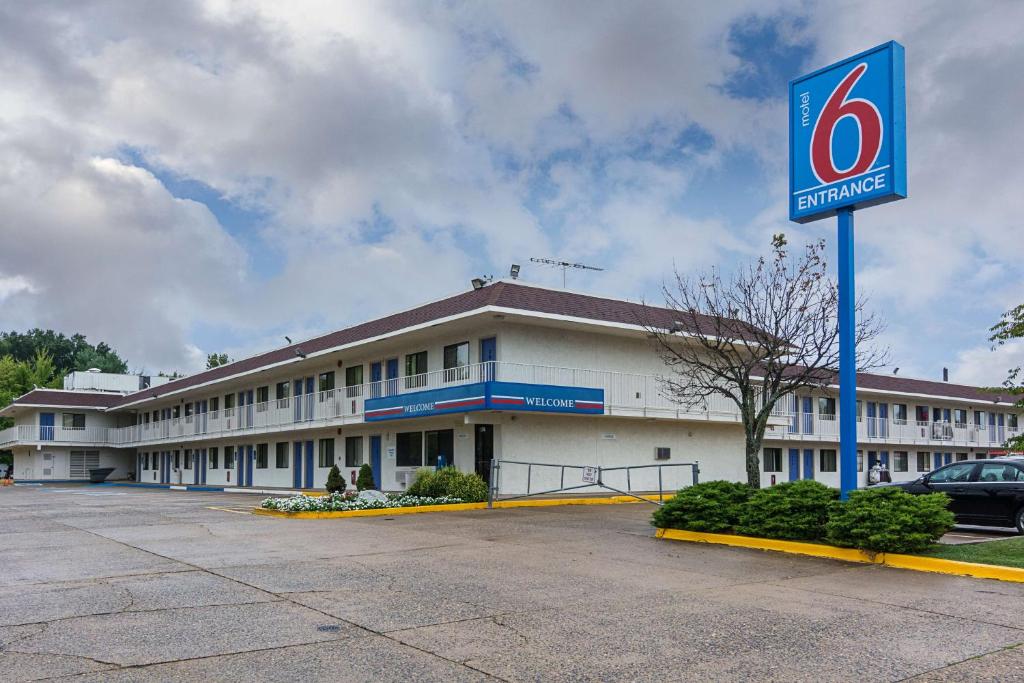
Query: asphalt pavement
x=116 y=584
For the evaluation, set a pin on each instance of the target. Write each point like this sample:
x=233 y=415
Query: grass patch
x=1008 y=553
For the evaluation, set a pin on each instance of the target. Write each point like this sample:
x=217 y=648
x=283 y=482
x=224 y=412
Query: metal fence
x=647 y=478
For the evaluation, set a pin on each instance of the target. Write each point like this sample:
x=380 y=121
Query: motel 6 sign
x=847 y=135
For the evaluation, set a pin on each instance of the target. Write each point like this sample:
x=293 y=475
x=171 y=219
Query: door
x=240 y=456
x=794 y=464
x=375 y=377
x=48 y=467
x=954 y=480
x=297 y=464
x=195 y=465
x=872 y=425
x=375 y=458
x=203 y=458
x=391 y=386
x=808 y=463
x=994 y=496
x=308 y=469
x=489 y=356
x=483 y=449
x=310 y=390
x=883 y=420
x=248 y=465
x=46 y=426
x=248 y=408
x=297 y=400
x=807 y=409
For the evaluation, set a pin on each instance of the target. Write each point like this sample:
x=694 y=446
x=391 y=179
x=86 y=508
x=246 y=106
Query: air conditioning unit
x=404 y=477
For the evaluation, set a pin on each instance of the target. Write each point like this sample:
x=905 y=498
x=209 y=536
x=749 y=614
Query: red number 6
x=869 y=121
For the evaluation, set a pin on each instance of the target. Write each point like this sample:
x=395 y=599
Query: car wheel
x=1020 y=521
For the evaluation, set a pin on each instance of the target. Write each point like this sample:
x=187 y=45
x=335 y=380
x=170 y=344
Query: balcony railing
x=43 y=433
x=891 y=430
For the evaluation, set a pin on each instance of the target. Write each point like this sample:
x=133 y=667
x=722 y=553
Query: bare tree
x=767 y=331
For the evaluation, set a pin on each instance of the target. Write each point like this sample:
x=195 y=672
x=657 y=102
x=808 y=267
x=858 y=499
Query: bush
x=335 y=482
x=365 y=479
x=448 y=482
x=796 y=510
x=889 y=520
x=712 y=506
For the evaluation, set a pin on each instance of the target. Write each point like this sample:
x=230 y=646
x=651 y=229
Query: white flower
x=337 y=502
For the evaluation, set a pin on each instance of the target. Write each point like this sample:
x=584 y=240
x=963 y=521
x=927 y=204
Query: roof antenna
x=564 y=265
x=288 y=339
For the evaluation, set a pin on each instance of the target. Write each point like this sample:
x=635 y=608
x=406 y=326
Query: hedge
x=887 y=519
x=796 y=511
x=448 y=481
x=712 y=506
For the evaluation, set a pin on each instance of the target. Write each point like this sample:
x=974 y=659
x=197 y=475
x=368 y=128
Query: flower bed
x=339 y=502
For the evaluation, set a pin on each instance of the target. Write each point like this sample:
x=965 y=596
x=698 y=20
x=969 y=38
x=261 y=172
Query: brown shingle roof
x=909 y=385
x=73 y=399
x=501 y=294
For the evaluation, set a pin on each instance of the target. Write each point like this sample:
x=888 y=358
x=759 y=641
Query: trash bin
x=99 y=475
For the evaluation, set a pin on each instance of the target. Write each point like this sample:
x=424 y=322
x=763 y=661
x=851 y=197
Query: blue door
x=794 y=415
x=375 y=460
x=195 y=465
x=248 y=465
x=310 y=388
x=991 y=426
x=947 y=458
x=309 y=465
x=884 y=459
x=1001 y=436
x=808 y=463
x=488 y=354
x=297 y=400
x=794 y=464
x=375 y=378
x=391 y=386
x=165 y=461
x=138 y=467
x=872 y=459
x=46 y=426
x=248 y=408
x=297 y=465
x=872 y=427
x=203 y=458
x=808 y=414
x=883 y=420
x=938 y=460
x=240 y=455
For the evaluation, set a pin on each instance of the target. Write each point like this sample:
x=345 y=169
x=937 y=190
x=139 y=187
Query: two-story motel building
x=507 y=371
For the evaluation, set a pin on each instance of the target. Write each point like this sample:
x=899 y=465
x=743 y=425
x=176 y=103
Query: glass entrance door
x=484 y=450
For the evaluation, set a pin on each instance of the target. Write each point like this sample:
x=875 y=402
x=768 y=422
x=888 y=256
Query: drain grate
x=328 y=628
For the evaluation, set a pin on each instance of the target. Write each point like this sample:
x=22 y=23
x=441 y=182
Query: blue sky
x=257 y=170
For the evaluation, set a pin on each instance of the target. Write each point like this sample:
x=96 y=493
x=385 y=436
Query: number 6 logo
x=869 y=123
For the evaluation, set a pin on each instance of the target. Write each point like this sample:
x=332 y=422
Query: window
x=281 y=455
x=229 y=407
x=145 y=461
x=440 y=445
x=899 y=413
x=409 y=449
x=860 y=461
x=262 y=398
x=145 y=418
x=326 y=453
x=953 y=473
x=961 y=457
x=188 y=458
x=923 y=462
x=354 y=381
x=326 y=383
x=416 y=370
x=827 y=460
x=826 y=407
x=662 y=453
x=213 y=458
x=188 y=413
x=177 y=460
x=214 y=404
x=900 y=461
x=773 y=460
x=960 y=417
x=156 y=416
x=921 y=414
x=456 y=361
x=262 y=451
x=229 y=457
x=353 y=451
x=1011 y=420
x=73 y=420
x=1000 y=472
x=281 y=393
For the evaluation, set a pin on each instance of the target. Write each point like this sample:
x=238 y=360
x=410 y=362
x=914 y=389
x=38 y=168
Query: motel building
x=505 y=371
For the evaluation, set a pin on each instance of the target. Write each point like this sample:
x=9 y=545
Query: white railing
x=40 y=433
x=890 y=430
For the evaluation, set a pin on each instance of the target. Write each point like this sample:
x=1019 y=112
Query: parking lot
x=117 y=584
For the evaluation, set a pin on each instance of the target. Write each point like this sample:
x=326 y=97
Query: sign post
x=847 y=150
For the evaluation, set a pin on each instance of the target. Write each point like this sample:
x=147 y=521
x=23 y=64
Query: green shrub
x=795 y=510
x=449 y=482
x=335 y=482
x=890 y=520
x=712 y=506
x=365 y=479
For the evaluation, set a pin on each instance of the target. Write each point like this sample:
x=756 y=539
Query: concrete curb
x=454 y=507
x=912 y=562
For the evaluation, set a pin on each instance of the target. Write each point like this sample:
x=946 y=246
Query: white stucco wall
x=29 y=463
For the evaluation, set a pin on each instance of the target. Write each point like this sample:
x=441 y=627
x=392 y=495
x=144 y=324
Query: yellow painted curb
x=455 y=507
x=913 y=562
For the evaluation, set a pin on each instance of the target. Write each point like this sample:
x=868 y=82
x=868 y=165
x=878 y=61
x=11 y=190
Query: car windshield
x=959 y=472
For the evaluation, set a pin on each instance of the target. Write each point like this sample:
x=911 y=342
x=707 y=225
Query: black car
x=983 y=492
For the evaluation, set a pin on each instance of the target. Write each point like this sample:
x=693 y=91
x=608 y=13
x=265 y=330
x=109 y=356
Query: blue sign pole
x=847 y=357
